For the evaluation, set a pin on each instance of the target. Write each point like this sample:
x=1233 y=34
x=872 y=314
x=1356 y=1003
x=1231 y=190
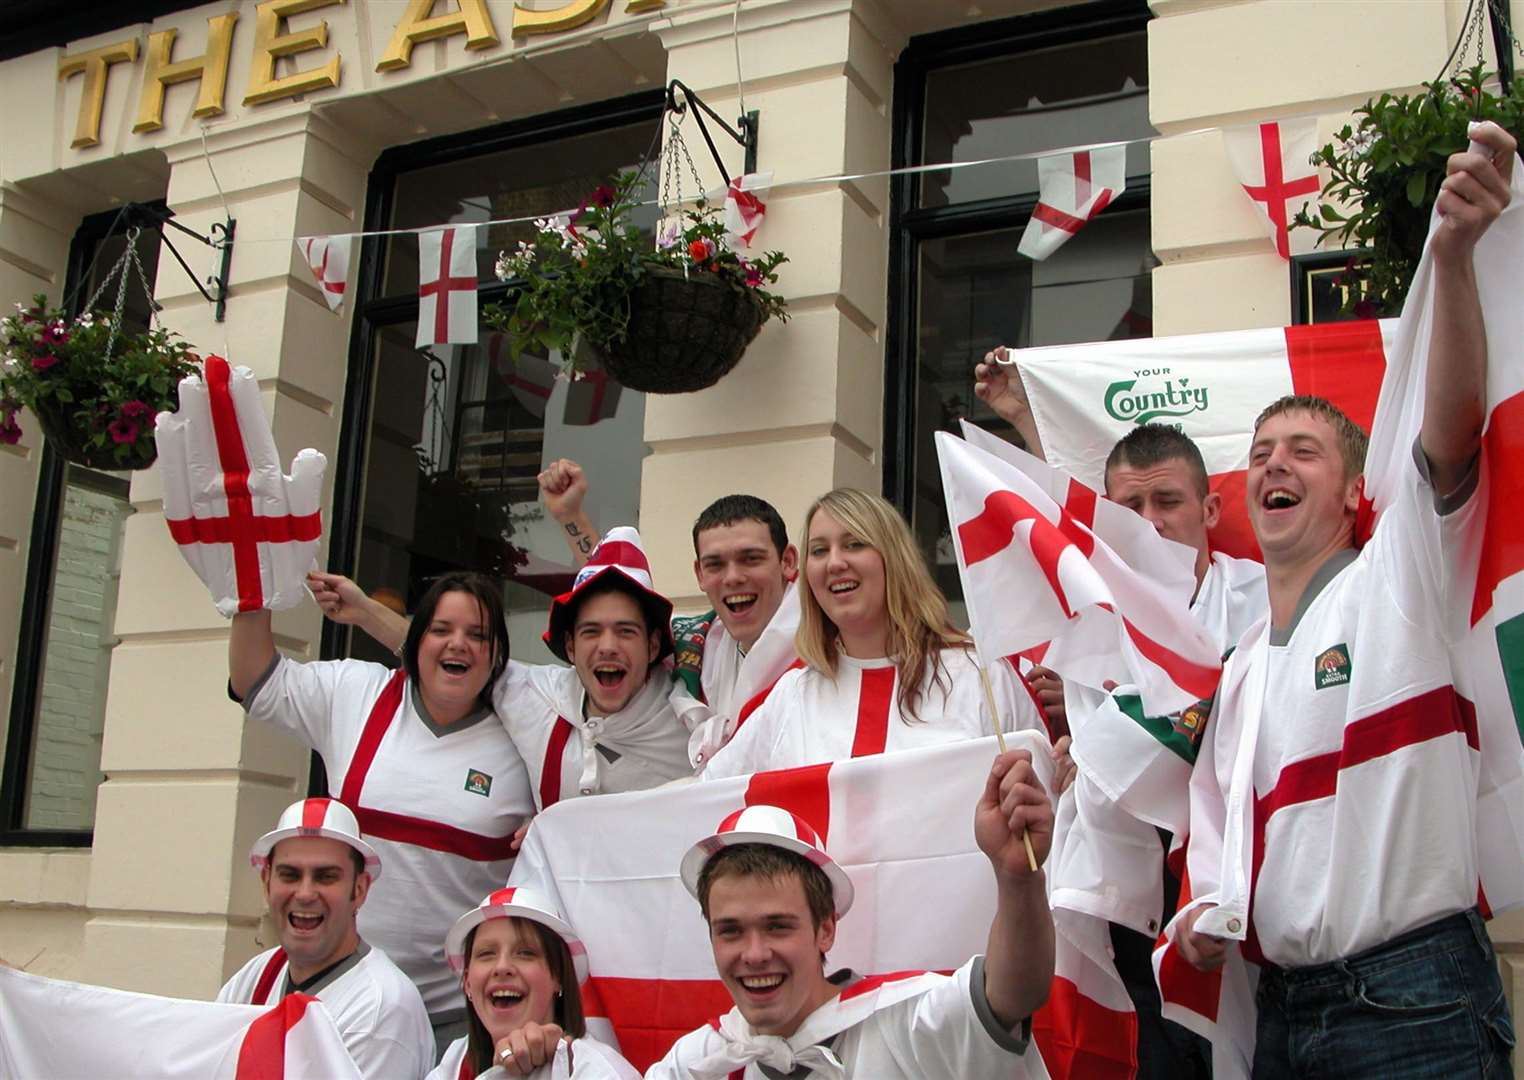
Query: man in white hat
x=772 y=897
x=605 y=724
x=316 y=872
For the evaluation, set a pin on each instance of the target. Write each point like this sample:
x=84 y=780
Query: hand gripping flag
x=1273 y=163
x=1102 y=617
x=447 y=286
x=1211 y=386
x=328 y=259
x=744 y=208
x=64 y=1029
x=652 y=970
x=249 y=533
x=1071 y=190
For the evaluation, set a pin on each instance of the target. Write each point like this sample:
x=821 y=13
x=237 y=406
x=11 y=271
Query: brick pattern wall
x=76 y=662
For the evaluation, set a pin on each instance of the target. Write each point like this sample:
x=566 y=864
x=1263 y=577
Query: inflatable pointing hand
x=249 y=532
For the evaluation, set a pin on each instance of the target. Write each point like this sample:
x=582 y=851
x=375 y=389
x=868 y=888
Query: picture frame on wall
x=1320 y=285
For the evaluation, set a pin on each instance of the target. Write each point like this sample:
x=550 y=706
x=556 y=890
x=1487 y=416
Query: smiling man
x=772 y=897
x=316 y=872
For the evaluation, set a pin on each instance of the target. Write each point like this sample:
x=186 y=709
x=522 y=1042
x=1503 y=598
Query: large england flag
x=1104 y=620
x=1211 y=386
x=52 y=1028
x=925 y=893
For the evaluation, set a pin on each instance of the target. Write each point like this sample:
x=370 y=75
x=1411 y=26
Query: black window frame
x=911 y=223
x=37 y=585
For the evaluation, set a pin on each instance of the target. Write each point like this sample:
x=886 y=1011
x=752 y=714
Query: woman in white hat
x=883 y=668
x=522 y=967
x=417 y=753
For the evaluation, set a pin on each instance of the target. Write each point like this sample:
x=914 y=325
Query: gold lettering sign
x=417 y=26
x=270 y=44
x=635 y=7
x=96 y=65
x=565 y=17
x=210 y=68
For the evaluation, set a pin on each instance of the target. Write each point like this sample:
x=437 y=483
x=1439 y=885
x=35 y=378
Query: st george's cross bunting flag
x=447 y=286
x=1102 y=617
x=652 y=969
x=1072 y=189
x=745 y=208
x=53 y=1028
x=249 y=532
x=1210 y=386
x=328 y=259
x=1272 y=163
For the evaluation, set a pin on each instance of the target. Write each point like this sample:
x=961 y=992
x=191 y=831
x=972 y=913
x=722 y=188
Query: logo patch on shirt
x=1331 y=668
x=1189 y=722
x=478 y=782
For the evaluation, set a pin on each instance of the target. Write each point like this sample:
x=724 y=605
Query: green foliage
x=578 y=272
x=1389 y=166
x=61 y=367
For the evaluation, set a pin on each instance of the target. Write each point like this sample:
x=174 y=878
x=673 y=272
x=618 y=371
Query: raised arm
x=563 y=487
x=345 y=602
x=251 y=649
x=1455 y=398
x=1018 y=962
x=999 y=386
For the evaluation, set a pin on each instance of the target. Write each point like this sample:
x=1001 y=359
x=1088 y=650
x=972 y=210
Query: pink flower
x=10 y=431
x=136 y=410
x=56 y=334
x=122 y=431
x=753 y=276
x=42 y=363
x=603 y=196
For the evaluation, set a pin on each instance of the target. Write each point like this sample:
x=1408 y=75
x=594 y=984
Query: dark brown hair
x=489 y=600
x=775 y=864
x=1154 y=444
x=567 y=1013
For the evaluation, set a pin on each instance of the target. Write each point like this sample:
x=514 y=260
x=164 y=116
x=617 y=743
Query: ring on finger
x=505 y=1053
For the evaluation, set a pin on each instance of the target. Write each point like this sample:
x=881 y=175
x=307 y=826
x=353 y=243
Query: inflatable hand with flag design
x=249 y=532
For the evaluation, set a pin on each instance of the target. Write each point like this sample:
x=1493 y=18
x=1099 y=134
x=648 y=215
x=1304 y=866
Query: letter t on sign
x=95 y=64
x=210 y=68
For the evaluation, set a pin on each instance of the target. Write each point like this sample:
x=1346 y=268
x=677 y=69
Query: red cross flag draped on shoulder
x=447 y=286
x=249 y=532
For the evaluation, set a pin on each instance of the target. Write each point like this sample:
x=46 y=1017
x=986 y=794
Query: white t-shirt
x=582 y=1059
x=374 y=1005
x=921 y=1027
x=1365 y=764
x=570 y=752
x=809 y=718
x=439 y=805
x=1232 y=597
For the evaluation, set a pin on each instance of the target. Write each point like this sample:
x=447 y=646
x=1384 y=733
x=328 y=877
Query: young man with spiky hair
x=1338 y=778
x=745 y=567
x=771 y=897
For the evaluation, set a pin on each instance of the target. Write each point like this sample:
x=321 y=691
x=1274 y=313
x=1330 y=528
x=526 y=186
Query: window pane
x=76 y=655
x=458 y=436
x=977 y=292
x=1085 y=92
x=530 y=180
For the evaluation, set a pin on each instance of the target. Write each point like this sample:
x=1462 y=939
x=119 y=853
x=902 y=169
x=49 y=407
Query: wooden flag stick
x=989 y=699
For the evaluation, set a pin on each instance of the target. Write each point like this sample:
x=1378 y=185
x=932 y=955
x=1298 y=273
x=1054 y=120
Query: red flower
x=603 y=196
x=697 y=251
x=10 y=431
x=123 y=431
x=753 y=276
x=136 y=410
x=42 y=363
x=56 y=335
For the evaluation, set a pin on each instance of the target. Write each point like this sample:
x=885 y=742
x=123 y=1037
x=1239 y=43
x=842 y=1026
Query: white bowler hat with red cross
x=515 y=903
x=316 y=817
x=618 y=561
x=778 y=827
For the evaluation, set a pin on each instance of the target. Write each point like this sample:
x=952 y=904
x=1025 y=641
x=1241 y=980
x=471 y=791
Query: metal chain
x=118 y=272
x=671 y=181
x=1470 y=38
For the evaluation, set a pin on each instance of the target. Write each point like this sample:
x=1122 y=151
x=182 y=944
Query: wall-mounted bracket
x=221 y=239
x=746 y=136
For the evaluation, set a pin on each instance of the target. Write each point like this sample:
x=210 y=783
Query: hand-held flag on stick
x=744 y=208
x=1273 y=165
x=250 y=533
x=447 y=286
x=1103 y=618
x=328 y=259
x=1071 y=190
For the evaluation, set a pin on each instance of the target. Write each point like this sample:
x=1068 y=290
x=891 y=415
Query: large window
x=442 y=445
x=1067 y=77
x=68 y=613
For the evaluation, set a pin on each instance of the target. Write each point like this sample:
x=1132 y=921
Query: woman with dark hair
x=522 y=967
x=433 y=779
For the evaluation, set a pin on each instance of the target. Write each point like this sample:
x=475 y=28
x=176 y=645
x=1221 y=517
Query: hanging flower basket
x=685 y=332
x=664 y=318
x=73 y=436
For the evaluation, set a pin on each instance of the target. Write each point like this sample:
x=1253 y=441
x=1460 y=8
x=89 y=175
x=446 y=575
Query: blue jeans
x=1428 y=1003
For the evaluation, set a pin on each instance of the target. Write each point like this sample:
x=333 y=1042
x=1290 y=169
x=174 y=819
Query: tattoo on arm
x=585 y=545
x=583 y=542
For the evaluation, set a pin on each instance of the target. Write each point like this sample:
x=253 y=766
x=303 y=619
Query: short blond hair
x=1353 y=441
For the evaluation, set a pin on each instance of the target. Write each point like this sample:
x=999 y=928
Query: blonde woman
x=881 y=667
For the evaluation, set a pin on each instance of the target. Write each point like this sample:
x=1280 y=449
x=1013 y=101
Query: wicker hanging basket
x=68 y=432
x=686 y=331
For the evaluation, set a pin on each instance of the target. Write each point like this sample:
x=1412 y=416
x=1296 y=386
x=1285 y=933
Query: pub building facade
x=132 y=788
